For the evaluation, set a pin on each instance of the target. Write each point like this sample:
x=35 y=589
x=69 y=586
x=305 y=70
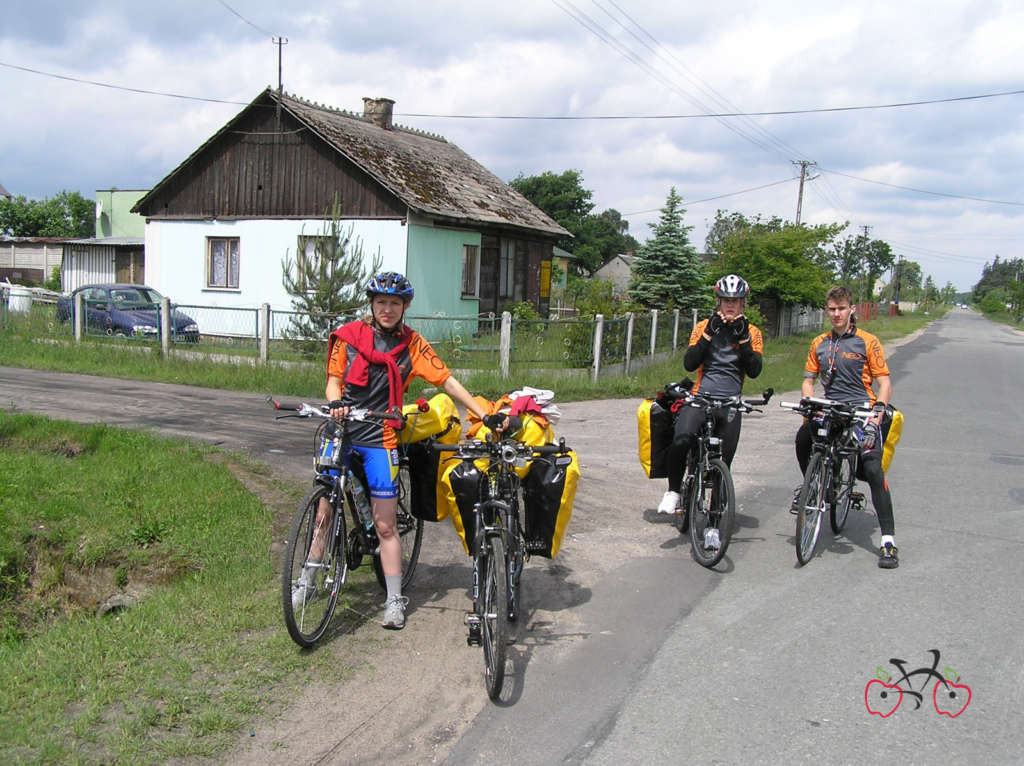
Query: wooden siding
x=250 y=172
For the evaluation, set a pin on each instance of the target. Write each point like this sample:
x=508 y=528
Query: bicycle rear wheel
x=843 y=483
x=309 y=590
x=712 y=512
x=494 y=614
x=410 y=532
x=810 y=506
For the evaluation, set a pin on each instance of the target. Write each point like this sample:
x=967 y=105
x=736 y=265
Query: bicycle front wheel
x=712 y=512
x=843 y=483
x=410 y=532
x=494 y=614
x=309 y=587
x=810 y=506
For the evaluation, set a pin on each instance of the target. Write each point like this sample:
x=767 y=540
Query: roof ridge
x=364 y=118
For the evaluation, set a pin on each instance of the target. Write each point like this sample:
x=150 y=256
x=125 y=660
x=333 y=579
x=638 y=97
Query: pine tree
x=328 y=284
x=668 y=272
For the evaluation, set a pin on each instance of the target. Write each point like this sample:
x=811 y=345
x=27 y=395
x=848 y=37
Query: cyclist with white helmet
x=369 y=364
x=724 y=350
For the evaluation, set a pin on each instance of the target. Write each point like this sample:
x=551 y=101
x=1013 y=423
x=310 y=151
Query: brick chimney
x=379 y=111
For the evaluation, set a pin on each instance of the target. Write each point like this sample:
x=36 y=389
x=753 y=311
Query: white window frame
x=470 y=271
x=232 y=267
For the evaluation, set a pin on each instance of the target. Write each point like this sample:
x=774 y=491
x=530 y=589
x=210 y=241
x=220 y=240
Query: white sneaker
x=669 y=502
x=394 y=613
x=712 y=542
x=304 y=593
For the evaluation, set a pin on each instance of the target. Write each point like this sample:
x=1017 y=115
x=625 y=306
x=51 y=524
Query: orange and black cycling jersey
x=847 y=364
x=419 y=360
x=722 y=367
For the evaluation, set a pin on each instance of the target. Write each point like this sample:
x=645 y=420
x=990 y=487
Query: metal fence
x=478 y=342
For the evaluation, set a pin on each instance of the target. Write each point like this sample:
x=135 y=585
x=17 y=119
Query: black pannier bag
x=548 y=493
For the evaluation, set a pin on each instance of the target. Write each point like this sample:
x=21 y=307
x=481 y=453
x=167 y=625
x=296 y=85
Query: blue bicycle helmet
x=390 y=283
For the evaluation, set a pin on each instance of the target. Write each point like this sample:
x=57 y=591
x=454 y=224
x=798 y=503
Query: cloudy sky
x=940 y=182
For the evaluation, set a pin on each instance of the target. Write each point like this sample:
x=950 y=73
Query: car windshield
x=134 y=297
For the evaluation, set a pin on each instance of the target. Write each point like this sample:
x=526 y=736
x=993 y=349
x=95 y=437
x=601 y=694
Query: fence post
x=654 y=329
x=264 y=332
x=505 y=344
x=629 y=340
x=165 y=325
x=694 y=320
x=598 y=333
x=79 y=316
x=675 y=329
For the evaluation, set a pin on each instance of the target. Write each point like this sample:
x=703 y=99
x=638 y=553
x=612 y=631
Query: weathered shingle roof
x=429 y=174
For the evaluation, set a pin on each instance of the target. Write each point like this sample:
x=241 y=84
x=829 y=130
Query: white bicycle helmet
x=731 y=286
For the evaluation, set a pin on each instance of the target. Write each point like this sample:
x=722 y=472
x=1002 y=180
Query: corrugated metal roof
x=428 y=173
x=114 y=241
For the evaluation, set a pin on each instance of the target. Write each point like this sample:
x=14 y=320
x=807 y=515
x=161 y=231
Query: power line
x=568 y=118
x=121 y=87
x=923 y=191
x=711 y=199
x=257 y=28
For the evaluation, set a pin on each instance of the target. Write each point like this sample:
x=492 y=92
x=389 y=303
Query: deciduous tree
x=66 y=214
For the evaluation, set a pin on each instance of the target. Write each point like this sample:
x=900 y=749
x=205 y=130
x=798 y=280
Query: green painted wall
x=435 y=270
x=113 y=213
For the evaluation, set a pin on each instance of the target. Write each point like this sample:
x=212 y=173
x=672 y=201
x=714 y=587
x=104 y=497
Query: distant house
x=220 y=224
x=30 y=259
x=618 y=270
x=116 y=253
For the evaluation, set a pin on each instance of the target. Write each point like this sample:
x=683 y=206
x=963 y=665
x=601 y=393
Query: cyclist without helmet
x=724 y=350
x=369 y=364
x=849 y=360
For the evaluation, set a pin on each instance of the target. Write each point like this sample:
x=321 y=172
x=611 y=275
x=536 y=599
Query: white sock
x=394 y=585
x=888 y=539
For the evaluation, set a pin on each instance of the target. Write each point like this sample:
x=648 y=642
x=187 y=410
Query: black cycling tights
x=688 y=423
x=869 y=469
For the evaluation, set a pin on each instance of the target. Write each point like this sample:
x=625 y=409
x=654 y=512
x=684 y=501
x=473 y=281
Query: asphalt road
x=630 y=652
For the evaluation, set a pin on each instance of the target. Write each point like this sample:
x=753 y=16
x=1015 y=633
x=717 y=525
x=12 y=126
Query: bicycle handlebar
x=393 y=417
x=478 y=449
x=811 y=404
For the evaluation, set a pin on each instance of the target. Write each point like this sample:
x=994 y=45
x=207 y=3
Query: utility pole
x=279 y=42
x=800 y=195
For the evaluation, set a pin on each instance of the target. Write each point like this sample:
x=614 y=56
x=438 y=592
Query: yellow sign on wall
x=545 y=279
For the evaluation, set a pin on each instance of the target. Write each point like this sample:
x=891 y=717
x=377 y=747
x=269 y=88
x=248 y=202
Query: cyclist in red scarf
x=369 y=364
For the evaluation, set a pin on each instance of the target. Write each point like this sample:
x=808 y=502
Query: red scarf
x=359 y=336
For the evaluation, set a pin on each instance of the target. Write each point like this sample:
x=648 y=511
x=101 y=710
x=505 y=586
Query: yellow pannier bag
x=654 y=426
x=549 y=490
x=461 y=486
x=892 y=438
x=441 y=420
x=535 y=432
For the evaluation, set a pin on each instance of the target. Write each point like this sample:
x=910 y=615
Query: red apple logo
x=885 y=698
x=951 y=698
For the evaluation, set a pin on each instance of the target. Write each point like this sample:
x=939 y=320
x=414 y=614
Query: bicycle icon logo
x=883 y=697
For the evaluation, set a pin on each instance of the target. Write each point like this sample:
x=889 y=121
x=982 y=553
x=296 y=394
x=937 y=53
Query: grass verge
x=139 y=605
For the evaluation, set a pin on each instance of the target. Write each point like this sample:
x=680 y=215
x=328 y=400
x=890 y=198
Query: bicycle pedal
x=857 y=500
x=473 y=623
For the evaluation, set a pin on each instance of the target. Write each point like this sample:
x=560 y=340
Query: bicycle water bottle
x=360 y=500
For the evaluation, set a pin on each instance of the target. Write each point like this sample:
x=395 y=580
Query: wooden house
x=219 y=226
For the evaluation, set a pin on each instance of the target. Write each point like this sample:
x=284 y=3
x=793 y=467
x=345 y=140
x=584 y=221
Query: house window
x=308 y=255
x=507 y=269
x=470 y=271
x=222 y=262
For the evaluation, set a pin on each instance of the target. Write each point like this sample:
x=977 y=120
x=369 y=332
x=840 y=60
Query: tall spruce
x=668 y=272
x=327 y=281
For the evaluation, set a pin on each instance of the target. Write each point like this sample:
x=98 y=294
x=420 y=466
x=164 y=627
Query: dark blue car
x=129 y=310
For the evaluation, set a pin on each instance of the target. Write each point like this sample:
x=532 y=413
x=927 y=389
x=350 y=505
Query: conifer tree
x=327 y=284
x=668 y=272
